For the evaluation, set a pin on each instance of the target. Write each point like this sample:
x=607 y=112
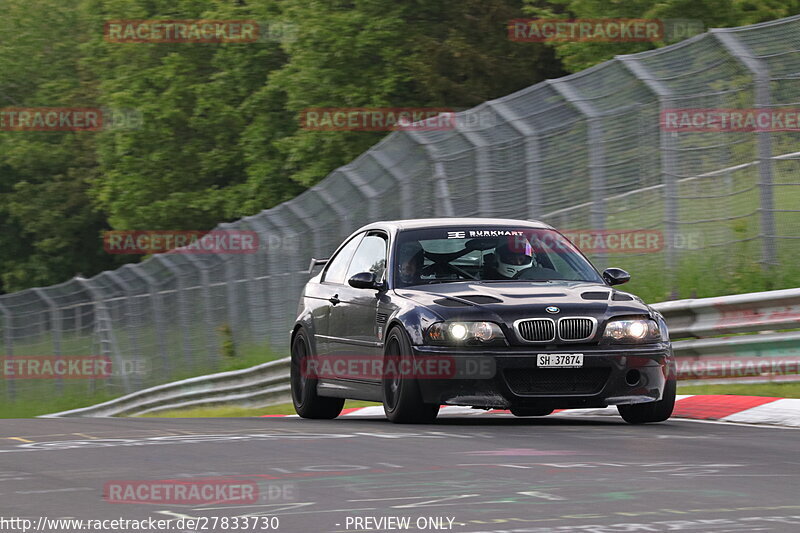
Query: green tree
x=382 y=53
x=186 y=167
x=219 y=137
x=712 y=13
x=49 y=230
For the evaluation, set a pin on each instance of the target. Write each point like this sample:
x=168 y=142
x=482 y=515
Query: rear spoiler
x=315 y=263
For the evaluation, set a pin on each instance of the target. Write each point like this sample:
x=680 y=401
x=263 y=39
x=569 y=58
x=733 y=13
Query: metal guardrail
x=706 y=320
x=751 y=336
x=740 y=313
x=258 y=386
x=730 y=334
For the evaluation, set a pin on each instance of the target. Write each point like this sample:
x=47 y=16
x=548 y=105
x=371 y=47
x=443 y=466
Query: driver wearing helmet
x=510 y=259
x=410 y=259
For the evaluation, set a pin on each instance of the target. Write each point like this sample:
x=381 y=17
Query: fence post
x=104 y=330
x=133 y=333
x=252 y=294
x=158 y=315
x=741 y=52
x=369 y=191
x=597 y=172
x=205 y=287
x=342 y=213
x=668 y=167
x=293 y=208
x=444 y=208
x=482 y=177
x=532 y=157
x=183 y=308
x=237 y=332
x=8 y=341
x=55 y=329
x=231 y=298
x=258 y=313
x=406 y=194
x=279 y=314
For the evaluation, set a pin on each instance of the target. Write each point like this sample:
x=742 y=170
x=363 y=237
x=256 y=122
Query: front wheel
x=644 y=413
x=304 y=387
x=402 y=400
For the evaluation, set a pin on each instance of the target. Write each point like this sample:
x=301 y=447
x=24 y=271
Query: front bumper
x=611 y=375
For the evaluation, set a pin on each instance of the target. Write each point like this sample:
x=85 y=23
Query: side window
x=370 y=257
x=338 y=265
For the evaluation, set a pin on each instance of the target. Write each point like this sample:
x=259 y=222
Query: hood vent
x=527 y=294
x=599 y=295
x=621 y=297
x=447 y=302
x=480 y=299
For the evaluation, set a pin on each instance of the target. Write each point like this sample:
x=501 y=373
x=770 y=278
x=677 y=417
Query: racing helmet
x=410 y=259
x=511 y=260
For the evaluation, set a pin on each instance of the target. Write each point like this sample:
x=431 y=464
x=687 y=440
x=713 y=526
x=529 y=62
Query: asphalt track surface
x=485 y=473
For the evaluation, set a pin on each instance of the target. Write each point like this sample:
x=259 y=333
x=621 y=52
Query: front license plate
x=559 y=360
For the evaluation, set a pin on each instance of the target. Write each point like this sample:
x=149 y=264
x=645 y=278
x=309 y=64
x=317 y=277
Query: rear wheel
x=402 y=400
x=643 y=413
x=530 y=411
x=304 y=387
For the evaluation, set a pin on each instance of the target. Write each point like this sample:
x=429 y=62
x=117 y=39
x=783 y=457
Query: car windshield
x=490 y=254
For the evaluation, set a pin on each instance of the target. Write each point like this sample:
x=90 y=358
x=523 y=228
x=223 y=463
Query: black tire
x=530 y=411
x=402 y=400
x=304 y=388
x=645 y=413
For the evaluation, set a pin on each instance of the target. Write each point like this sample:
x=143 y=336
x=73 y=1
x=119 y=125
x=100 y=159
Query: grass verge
x=34 y=397
x=781 y=390
x=226 y=412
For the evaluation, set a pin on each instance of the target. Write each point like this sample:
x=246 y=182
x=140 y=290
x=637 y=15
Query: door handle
x=334 y=299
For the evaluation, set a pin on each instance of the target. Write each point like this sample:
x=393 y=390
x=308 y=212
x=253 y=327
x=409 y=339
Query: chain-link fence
x=588 y=152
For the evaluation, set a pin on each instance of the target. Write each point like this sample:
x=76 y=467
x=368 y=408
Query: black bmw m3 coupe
x=488 y=313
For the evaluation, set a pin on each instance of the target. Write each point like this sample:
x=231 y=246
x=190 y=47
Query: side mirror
x=616 y=276
x=365 y=280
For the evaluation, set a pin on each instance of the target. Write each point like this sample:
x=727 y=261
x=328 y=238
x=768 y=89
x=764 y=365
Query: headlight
x=632 y=331
x=473 y=333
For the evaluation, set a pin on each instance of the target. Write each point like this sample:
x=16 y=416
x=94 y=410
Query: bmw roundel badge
x=552 y=309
